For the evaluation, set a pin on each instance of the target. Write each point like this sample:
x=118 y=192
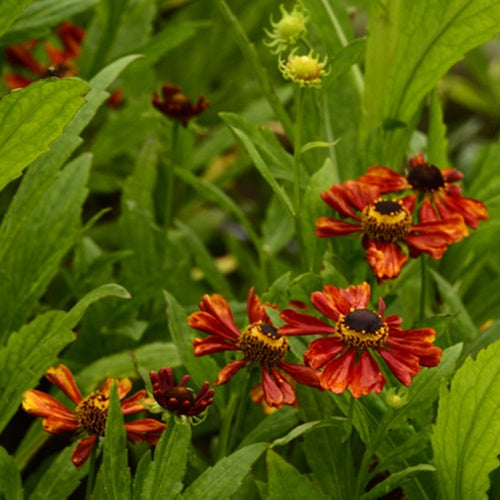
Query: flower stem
x=91 y=474
x=423 y=285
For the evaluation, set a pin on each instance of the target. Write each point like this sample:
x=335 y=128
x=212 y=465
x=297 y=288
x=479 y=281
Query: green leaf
x=10 y=478
x=116 y=474
x=60 y=480
x=10 y=10
x=394 y=480
x=438 y=143
x=466 y=437
x=345 y=58
x=317 y=144
x=225 y=477
x=301 y=429
x=285 y=481
x=277 y=228
x=164 y=479
x=32 y=118
x=27 y=268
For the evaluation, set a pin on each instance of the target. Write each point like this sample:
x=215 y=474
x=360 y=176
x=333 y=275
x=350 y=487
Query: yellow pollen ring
x=362 y=338
x=386 y=227
x=92 y=413
x=261 y=342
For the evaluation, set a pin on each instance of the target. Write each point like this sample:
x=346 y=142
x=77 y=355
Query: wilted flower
x=90 y=415
x=387 y=227
x=306 y=71
x=442 y=198
x=176 y=105
x=348 y=354
x=288 y=29
x=259 y=342
x=179 y=399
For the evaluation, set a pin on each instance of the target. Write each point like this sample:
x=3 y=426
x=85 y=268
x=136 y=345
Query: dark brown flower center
x=362 y=328
x=386 y=221
x=425 y=178
x=92 y=413
x=178 y=399
x=262 y=342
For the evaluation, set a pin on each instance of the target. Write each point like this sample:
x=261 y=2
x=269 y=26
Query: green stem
x=227 y=418
x=91 y=474
x=240 y=414
x=423 y=285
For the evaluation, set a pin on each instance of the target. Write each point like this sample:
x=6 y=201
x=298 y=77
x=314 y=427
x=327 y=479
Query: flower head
x=91 y=413
x=306 y=71
x=442 y=198
x=259 y=342
x=179 y=399
x=176 y=105
x=387 y=227
x=290 y=28
x=60 y=60
x=348 y=353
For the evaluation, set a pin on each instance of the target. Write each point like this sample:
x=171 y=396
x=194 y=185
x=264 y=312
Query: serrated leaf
x=115 y=471
x=10 y=478
x=10 y=10
x=164 y=479
x=60 y=480
x=466 y=437
x=224 y=478
x=285 y=481
x=32 y=118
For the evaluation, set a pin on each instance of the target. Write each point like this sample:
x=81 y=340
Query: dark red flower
x=176 y=105
x=442 y=198
x=91 y=413
x=387 y=227
x=60 y=60
x=259 y=342
x=347 y=355
x=179 y=399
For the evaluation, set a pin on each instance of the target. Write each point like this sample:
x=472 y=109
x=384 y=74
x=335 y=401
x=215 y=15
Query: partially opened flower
x=442 y=198
x=358 y=339
x=289 y=29
x=90 y=415
x=388 y=231
x=179 y=399
x=306 y=70
x=175 y=104
x=60 y=60
x=259 y=342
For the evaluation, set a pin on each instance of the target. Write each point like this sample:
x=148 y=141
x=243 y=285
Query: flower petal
x=302 y=374
x=337 y=373
x=471 y=210
x=40 y=404
x=229 y=371
x=256 y=309
x=385 y=179
x=326 y=227
x=289 y=396
x=123 y=385
x=357 y=296
x=136 y=403
x=385 y=259
x=63 y=378
x=147 y=429
x=302 y=324
x=272 y=393
x=403 y=364
x=330 y=302
x=210 y=345
x=366 y=376
x=321 y=351
x=83 y=450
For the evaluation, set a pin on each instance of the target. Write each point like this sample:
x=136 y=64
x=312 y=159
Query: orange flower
x=61 y=60
x=259 y=342
x=91 y=413
x=441 y=197
x=176 y=105
x=346 y=354
x=389 y=233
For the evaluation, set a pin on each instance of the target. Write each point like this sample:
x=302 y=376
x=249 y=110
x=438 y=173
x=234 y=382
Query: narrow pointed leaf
x=10 y=478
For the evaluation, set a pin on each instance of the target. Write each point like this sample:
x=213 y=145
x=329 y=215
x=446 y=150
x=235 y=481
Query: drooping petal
x=302 y=374
x=337 y=373
x=147 y=429
x=211 y=345
x=471 y=210
x=16 y=80
x=272 y=393
x=83 y=450
x=256 y=309
x=20 y=54
x=229 y=371
x=385 y=259
x=321 y=351
x=63 y=378
x=417 y=342
x=289 y=396
x=136 y=403
x=123 y=385
x=403 y=364
x=40 y=404
x=215 y=318
x=343 y=197
x=451 y=174
x=302 y=324
x=427 y=212
x=385 y=179
x=326 y=227
x=366 y=376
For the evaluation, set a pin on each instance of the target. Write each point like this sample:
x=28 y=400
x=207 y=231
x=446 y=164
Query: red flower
x=346 y=354
x=91 y=413
x=259 y=342
x=441 y=197
x=176 y=105
x=179 y=399
x=387 y=227
x=60 y=59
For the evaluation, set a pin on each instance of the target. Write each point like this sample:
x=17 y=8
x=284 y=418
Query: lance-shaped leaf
x=10 y=478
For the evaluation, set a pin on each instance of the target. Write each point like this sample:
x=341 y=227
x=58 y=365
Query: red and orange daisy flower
x=179 y=399
x=442 y=198
x=60 y=60
x=175 y=104
x=347 y=356
x=388 y=232
x=91 y=413
x=259 y=342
